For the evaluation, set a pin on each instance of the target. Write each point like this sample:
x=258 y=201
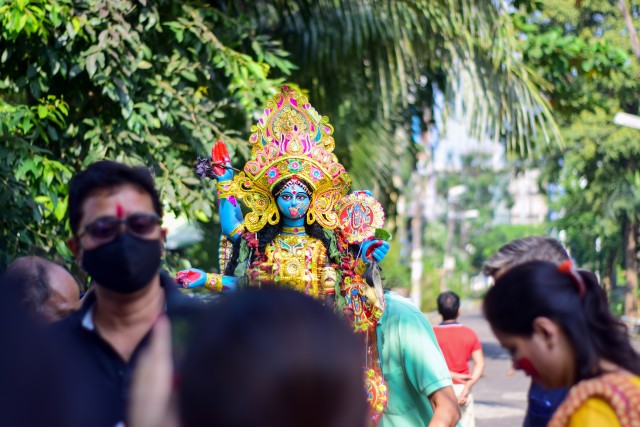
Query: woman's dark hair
x=269 y=232
x=540 y=289
x=273 y=357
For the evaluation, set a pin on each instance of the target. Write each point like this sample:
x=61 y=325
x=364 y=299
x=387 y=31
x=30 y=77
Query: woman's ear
x=548 y=330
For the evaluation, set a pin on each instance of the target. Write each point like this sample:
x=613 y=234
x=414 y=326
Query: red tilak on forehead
x=119 y=211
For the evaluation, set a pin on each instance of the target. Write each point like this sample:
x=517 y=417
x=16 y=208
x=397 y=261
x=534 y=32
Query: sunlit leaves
x=151 y=83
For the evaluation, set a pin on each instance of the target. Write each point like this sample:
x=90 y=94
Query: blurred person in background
x=49 y=291
x=556 y=323
x=275 y=358
x=542 y=402
x=39 y=384
x=115 y=217
x=459 y=343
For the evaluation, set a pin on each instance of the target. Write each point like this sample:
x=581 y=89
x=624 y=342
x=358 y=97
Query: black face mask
x=126 y=264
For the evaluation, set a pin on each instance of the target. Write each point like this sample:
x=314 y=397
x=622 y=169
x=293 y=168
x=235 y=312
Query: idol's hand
x=221 y=162
x=191 y=278
x=227 y=172
x=374 y=250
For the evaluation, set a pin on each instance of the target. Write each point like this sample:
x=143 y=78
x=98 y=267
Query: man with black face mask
x=115 y=216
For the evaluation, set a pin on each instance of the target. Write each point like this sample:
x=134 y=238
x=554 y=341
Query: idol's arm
x=228 y=206
x=195 y=278
x=230 y=218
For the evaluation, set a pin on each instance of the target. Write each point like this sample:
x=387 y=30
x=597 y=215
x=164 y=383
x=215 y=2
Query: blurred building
x=530 y=206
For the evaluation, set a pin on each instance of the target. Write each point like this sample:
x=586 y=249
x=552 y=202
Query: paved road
x=500 y=395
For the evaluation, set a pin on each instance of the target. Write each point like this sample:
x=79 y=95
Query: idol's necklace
x=293 y=230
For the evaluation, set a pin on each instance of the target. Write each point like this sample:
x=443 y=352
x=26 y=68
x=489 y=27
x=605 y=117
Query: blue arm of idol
x=195 y=278
x=229 y=209
x=191 y=278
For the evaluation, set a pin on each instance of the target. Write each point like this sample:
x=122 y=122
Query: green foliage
x=585 y=52
x=397 y=273
x=487 y=243
x=568 y=60
x=150 y=83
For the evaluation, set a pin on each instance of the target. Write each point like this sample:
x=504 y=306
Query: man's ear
x=547 y=329
x=74 y=247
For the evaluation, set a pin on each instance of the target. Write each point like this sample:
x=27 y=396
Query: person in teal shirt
x=418 y=380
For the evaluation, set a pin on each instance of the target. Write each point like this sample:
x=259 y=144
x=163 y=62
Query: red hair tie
x=567 y=267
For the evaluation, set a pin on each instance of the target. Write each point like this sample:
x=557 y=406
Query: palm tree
x=374 y=65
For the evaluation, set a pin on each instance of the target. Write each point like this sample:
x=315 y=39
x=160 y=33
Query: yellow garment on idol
x=596 y=412
x=296 y=261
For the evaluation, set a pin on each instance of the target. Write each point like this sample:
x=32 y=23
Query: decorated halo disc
x=359 y=215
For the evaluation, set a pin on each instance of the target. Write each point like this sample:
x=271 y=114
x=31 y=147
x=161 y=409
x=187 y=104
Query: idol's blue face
x=293 y=202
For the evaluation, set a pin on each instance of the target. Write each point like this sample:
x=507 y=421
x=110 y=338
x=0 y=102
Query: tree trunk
x=609 y=276
x=417 y=222
x=631 y=29
x=631 y=267
x=416 y=243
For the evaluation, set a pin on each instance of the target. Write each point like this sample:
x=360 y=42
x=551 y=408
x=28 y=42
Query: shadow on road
x=493 y=350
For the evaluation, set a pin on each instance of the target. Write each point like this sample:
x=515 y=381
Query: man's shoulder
x=68 y=331
x=402 y=310
x=396 y=302
x=456 y=332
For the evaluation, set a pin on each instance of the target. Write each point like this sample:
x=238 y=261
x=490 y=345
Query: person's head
x=273 y=357
x=519 y=251
x=49 y=290
x=293 y=197
x=448 y=305
x=35 y=365
x=115 y=215
x=556 y=324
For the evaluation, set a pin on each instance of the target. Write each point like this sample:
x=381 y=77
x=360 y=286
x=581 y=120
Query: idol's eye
x=286 y=197
x=302 y=197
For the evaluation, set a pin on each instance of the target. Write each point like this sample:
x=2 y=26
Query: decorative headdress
x=291 y=140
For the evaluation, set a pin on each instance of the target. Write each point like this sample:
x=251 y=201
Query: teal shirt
x=412 y=364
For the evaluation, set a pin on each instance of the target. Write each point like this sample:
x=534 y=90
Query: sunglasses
x=106 y=228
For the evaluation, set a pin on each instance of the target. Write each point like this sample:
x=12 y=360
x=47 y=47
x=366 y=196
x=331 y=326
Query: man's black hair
x=33 y=279
x=448 y=305
x=107 y=174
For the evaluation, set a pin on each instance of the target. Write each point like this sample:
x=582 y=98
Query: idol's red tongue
x=293 y=211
